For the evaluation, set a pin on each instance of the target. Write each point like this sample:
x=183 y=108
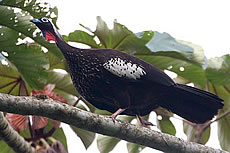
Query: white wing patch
x=124 y=68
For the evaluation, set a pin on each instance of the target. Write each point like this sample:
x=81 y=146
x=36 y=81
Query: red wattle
x=50 y=37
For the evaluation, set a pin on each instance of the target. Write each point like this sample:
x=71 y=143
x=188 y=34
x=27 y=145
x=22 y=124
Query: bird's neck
x=63 y=45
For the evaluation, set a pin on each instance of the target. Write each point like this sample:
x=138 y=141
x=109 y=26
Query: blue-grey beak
x=35 y=20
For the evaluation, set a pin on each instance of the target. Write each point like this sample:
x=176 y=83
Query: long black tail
x=193 y=104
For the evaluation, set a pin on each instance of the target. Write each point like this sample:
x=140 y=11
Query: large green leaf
x=166 y=126
x=28 y=59
x=60 y=135
x=34 y=7
x=223 y=131
x=20 y=55
x=31 y=70
x=134 y=148
x=118 y=34
x=86 y=137
x=218 y=70
x=20 y=21
x=55 y=62
x=190 y=71
x=223 y=123
x=103 y=33
x=64 y=85
x=165 y=42
x=105 y=144
x=136 y=43
x=83 y=37
x=11 y=82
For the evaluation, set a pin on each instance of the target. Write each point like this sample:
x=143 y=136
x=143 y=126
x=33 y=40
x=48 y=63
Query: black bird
x=123 y=84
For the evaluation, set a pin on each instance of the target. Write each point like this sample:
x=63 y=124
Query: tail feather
x=193 y=104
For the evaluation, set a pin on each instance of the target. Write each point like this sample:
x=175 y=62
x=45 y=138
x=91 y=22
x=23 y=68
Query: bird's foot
x=114 y=115
x=144 y=122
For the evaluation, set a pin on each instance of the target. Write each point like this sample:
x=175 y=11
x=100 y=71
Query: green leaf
x=198 y=55
x=29 y=59
x=136 y=43
x=5 y=148
x=83 y=37
x=134 y=148
x=20 y=22
x=57 y=135
x=165 y=42
x=192 y=133
x=118 y=34
x=106 y=144
x=11 y=82
x=111 y=38
x=103 y=32
x=223 y=123
x=187 y=70
x=86 y=137
x=64 y=85
x=34 y=7
x=223 y=131
x=32 y=71
x=55 y=62
x=60 y=135
x=218 y=70
x=166 y=126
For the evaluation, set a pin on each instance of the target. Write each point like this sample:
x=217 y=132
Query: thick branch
x=99 y=124
x=12 y=138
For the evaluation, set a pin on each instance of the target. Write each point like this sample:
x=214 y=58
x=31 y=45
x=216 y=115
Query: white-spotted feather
x=124 y=68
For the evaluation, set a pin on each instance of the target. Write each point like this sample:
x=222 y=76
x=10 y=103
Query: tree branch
x=99 y=124
x=12 y=138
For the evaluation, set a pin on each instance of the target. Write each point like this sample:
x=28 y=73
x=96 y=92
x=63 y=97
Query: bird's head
x=47 y=27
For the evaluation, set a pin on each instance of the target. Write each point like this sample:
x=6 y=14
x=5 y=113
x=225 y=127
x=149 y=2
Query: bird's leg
x=144 y=122
x=114 y=115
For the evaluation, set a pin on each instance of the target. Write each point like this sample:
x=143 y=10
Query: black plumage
x=123 y=84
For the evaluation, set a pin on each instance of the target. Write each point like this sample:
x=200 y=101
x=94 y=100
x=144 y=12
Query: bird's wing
x=134 y=69
x=123 y=68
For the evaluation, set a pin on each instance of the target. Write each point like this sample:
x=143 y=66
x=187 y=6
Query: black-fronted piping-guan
x=123 y=84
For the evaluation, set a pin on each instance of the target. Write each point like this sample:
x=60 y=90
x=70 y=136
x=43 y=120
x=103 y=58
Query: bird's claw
x=113 y=118
x=146 y=123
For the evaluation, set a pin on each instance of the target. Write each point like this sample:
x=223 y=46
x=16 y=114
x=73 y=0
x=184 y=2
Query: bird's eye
x=44 y=20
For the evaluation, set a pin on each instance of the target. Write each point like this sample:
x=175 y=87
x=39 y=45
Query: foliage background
x=23 y=74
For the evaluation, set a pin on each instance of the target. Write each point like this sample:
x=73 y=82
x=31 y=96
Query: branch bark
x=99 y=124
x=12 y=138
